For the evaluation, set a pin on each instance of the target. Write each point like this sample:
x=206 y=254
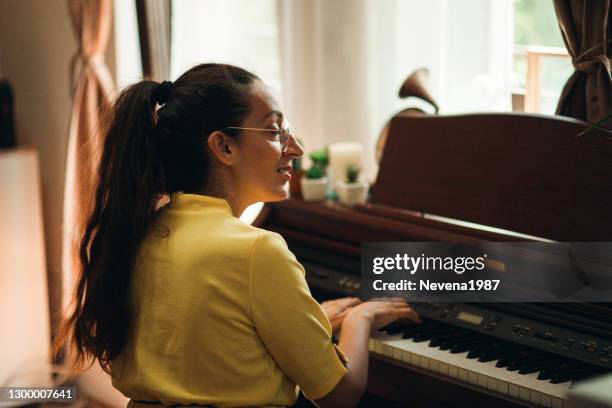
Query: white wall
x=36 y=44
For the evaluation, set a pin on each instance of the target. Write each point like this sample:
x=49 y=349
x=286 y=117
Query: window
x=541 y=64
x=239 y=32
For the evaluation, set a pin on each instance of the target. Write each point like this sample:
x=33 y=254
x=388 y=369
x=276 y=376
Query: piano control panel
x=521 y=330
x=327 y=283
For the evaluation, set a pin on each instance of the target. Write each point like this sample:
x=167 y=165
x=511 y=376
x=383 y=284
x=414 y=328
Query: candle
x=342 y=156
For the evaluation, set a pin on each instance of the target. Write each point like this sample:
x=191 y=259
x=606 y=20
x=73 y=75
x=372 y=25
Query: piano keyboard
x=485 y=362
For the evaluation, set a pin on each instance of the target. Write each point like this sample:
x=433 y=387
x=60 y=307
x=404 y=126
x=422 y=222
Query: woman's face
x=262 y=170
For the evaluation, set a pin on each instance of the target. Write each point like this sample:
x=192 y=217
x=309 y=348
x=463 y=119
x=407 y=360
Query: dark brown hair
x=145 y=154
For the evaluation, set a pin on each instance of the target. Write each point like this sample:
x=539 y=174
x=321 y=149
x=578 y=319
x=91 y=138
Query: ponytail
x=130 y=180
x=145 y=154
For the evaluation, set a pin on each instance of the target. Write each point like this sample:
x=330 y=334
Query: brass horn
x=416 y=85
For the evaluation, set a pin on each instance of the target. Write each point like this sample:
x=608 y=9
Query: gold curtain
x=155 y=34
x=586 y=26
x=93 y=87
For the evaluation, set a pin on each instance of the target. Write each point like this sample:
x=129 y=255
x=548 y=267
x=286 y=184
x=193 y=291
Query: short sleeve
x=290 y=322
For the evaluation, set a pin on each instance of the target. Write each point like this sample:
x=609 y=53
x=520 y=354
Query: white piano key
x=524 y=393
x=443 y=368
x=492 y=384
x=557 y=403
x=433 y=365
x=464 y=375
x=485 y=375
x=483 y=380
x=472 y=377
x=535 y=397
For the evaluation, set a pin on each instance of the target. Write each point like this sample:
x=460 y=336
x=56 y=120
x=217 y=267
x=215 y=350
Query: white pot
x=313 y=189
x=352 y=193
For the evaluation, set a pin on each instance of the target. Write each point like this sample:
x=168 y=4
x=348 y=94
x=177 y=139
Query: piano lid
x=524 y=173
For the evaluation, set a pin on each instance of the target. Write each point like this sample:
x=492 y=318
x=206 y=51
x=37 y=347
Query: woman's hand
x=381 y=312
x=337 y=309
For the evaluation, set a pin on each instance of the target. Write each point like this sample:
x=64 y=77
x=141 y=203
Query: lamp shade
x=24 y=306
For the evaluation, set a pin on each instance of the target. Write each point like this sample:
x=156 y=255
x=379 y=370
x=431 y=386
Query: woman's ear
x=222 y=147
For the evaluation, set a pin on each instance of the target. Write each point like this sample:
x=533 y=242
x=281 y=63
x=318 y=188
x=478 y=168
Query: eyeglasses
x=284 y=133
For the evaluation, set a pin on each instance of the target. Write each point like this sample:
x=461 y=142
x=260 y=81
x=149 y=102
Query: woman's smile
x=285 y=172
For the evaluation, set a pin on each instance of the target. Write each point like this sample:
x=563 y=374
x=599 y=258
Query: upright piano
x=486 y=177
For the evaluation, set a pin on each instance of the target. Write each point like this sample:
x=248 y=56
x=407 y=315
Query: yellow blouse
x=222 y=315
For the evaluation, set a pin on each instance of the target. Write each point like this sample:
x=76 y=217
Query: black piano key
x=572 y=375
x=478 y=350
x=548 y=372
x=516 y=364
x=462 y=347
x=399 y=326
x=439 y=339
x=428 y=334
x=396 y=329
x=465 y=344
x=534 y=366
x=410 y=331
x=495 y=353
x=459 y=337
x=511 y=356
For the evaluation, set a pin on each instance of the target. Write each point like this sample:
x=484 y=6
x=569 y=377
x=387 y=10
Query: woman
x=186 y=304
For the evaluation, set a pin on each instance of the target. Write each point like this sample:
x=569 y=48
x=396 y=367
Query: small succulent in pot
x=352 y=191
x=314 y=184
x=320 y=158
x=352 y=174
x=314 y=172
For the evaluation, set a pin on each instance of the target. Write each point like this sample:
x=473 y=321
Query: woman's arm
x=354 y=337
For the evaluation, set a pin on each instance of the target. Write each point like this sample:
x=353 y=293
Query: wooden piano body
x=493 y=177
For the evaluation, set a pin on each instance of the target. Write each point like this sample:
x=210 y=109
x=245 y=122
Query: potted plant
x=352 y=191
x=320 y=159
x=314 y=184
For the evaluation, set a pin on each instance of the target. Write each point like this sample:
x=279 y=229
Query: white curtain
x=342 y=62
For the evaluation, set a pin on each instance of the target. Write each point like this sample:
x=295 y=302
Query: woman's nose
x=294 y=148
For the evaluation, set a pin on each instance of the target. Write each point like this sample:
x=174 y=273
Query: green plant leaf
x=315 y=172
x=595 y=125
x=352 y=174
